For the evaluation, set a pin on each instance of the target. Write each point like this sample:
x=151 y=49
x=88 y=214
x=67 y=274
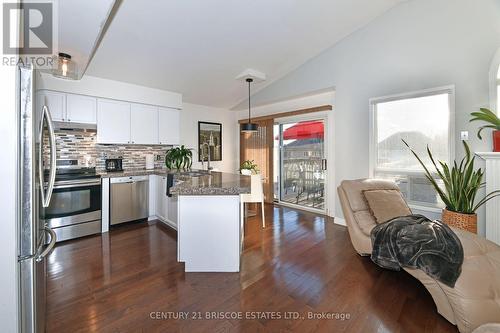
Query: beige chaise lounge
x=475 y=299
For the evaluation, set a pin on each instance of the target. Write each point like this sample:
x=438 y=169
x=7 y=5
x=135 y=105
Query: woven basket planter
x=466 y=222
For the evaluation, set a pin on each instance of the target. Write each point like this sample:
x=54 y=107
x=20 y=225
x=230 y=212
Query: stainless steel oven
x=75 y=207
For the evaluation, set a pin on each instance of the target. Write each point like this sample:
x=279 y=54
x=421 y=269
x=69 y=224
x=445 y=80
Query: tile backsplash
x=83 y=147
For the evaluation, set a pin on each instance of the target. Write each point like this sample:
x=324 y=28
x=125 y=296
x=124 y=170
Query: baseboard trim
x=168 y=223
x=339 y=221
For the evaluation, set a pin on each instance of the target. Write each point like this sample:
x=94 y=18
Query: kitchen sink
x=195 y=173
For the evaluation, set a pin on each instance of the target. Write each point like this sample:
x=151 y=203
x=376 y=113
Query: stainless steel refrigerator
x=36 y=170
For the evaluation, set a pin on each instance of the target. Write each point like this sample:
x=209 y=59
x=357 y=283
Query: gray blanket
x=414 y=241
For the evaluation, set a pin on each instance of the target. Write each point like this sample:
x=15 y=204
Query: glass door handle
x=324 y=164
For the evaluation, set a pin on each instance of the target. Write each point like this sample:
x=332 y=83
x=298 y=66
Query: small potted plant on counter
x=248 y=168
x=461 y=183
x=179 y=158
x=492 y=121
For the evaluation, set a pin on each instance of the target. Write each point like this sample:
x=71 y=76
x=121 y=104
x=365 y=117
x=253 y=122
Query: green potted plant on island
x=461 y=183
x=179 y=158
x=248 y=168
x=492 y=121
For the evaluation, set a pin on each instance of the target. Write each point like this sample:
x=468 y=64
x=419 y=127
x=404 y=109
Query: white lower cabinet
x=161 y=198
x=173 y=208
x=165 y=207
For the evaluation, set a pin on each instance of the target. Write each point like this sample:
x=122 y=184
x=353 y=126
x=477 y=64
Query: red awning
x=305 y=130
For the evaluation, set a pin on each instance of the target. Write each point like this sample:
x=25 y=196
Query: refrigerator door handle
x=50 y=246
x=52 y=173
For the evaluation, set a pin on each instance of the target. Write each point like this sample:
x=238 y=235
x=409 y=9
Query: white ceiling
x=198 y=47
x=79 y=27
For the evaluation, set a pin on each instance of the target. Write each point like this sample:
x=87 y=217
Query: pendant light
x=64 y=67
x=249 y=127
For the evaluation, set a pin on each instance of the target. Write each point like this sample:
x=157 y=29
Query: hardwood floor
x=301 y=263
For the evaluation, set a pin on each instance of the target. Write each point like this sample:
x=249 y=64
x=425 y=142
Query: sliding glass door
x=300 y=163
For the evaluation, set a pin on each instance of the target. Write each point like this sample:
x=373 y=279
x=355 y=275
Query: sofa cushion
x=353 y=190
x=386 y=204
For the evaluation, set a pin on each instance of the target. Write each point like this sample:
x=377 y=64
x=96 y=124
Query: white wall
x=418 y=44
x=191 y=114
x=95 y=86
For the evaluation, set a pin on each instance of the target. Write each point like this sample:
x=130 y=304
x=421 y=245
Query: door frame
x=322 y=115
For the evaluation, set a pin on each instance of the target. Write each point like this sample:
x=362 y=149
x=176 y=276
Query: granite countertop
x=195 y=182
x=135 y=172
x=215 y=183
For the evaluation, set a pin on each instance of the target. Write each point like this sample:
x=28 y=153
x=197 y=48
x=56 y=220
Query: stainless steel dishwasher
x=129 y=199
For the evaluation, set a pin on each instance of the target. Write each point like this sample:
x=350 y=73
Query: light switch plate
x=464 y=135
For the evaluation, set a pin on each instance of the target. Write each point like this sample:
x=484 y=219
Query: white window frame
x=495 y=83
x=450 y=90
x=497 y=88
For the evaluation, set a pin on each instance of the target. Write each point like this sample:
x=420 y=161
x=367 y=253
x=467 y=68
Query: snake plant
x=488 y=117
x=461 y=182
x=179 y=158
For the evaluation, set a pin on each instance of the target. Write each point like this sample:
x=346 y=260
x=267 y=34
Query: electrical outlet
x=464 y=135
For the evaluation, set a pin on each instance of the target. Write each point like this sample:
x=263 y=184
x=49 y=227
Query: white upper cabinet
x=113 y=121
x=144 y=124
x=55 y=101
x=81 y=109
x=117 y=122
x=168 y=126
x=69 y=107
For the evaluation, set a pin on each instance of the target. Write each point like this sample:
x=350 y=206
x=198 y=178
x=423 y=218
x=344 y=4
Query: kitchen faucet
x=209 y=168
x=202 y=158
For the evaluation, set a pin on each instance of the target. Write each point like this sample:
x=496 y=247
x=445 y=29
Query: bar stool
x=256 y=195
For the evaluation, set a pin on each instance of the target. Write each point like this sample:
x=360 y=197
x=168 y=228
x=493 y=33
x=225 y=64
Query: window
x=421 y=119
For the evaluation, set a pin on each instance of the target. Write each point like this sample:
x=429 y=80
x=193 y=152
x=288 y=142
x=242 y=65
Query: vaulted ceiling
x=198 y=47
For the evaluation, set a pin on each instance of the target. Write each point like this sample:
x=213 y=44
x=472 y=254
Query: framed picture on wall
x=209 y=136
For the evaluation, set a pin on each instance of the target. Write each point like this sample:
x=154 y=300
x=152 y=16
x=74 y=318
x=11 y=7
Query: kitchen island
x=207 y=210
x=209 y=234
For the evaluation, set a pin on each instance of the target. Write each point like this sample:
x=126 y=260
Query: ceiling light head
x=249 y=127
x=64 y=67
